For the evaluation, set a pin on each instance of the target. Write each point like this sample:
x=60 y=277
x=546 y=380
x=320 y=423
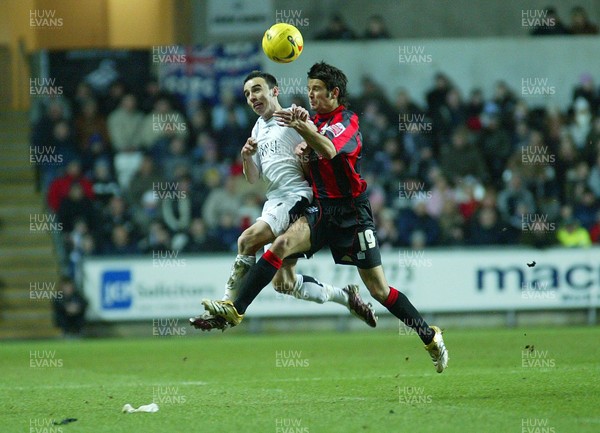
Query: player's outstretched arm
x=250 y=169
x=296 y=119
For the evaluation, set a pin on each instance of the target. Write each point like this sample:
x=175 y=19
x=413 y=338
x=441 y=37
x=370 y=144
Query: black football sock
x=256 y=279
x=399 y=305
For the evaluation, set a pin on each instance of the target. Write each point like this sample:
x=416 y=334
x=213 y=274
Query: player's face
x=321 y=100
x=260 y=98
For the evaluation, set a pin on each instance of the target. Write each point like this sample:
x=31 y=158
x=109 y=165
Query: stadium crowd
x=138 y=175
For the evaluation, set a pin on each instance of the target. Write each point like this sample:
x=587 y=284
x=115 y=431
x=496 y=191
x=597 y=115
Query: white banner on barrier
x=172 y=285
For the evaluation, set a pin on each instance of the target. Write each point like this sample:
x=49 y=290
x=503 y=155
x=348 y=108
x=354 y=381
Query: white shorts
x=279 y=213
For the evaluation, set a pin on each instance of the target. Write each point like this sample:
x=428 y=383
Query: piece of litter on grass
x=152 y=407
x=65 y=421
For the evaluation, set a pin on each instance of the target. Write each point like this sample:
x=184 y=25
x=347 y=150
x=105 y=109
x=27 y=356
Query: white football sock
x=310 y=289
x=240 y=266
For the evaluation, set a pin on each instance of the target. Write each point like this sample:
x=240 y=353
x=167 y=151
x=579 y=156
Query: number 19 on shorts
x=366 y=239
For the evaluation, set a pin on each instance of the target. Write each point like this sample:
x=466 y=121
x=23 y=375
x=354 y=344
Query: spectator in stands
x=104 y=184
x=59 y=188
x=416 y=219
x=227 y=106
x=404 y=106
x=553 y=27
x=586 y=89
x=146 y=177
x=177 y=211
x=521 y=136
x=474 y=108
x=505 y=100
x=452 y=230
x=461 y=159
x=63 y=140
x=116 y=214
x=151 y=94
x=176 y=156
x=76 y=206
x=42 y=130
x=572 y=235
x=83 y=93
x=486 y=229
x=120 y=242
x=230 y=136
x=146 y=211
x=581 y=125
x=81 y=244
x=580 y=23
x=387 y=233
x=54 y=155
x=595 y=230
x=198 y=240
x=468 y=193
x=376 y=28
x=158 y=239
x=436 y=97
x=227 y=232
x=98 y=150
x=201 y=122
x=115 y=94
x=162 y=123
x=514 y=201
x=373 y=93
x=576 y=182
x=336 y=29
x=567 y=159
x=124 y=125
x=591 y=151
x=451 y=114
x=69 y=309
x=594 y=178
x=494 y=143
x=416 y=141
x=90 y=125
x=221 y=201
x=586 y=208
x=440 y=193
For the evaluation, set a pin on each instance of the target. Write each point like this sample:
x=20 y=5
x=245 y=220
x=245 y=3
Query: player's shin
x=399 y=305
x=256 y=279
x=240 y=267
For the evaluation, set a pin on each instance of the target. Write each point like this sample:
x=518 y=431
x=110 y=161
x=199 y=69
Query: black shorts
x=347 y=227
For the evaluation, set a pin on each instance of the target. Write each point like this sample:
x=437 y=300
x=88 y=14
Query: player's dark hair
x=332 y=77
x=270 y=79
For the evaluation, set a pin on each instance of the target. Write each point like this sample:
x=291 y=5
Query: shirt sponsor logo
x=336 y=129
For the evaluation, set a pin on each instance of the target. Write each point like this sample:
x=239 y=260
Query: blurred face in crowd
x=76 y=192
x=120 y=236
x=61 y=131
x=260 y=98
x=90 y=108
x=74 y=169
x=487 y=218
x=128 y=102
x=162 y=106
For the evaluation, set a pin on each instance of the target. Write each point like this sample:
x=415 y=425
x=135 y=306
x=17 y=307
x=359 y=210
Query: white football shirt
x=276 y=161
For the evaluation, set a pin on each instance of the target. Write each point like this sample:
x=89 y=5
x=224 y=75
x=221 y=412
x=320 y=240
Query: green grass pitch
x=375 y=381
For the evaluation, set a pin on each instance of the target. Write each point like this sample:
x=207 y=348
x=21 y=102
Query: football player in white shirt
x=273 y=153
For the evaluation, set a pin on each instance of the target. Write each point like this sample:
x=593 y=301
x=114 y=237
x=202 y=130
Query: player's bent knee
x=249 y=242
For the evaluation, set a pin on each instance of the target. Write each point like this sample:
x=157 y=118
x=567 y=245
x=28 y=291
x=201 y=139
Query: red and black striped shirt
x=338 y=177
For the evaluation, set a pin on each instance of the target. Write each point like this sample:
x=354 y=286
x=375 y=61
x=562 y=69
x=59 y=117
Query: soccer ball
x=282 y=43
